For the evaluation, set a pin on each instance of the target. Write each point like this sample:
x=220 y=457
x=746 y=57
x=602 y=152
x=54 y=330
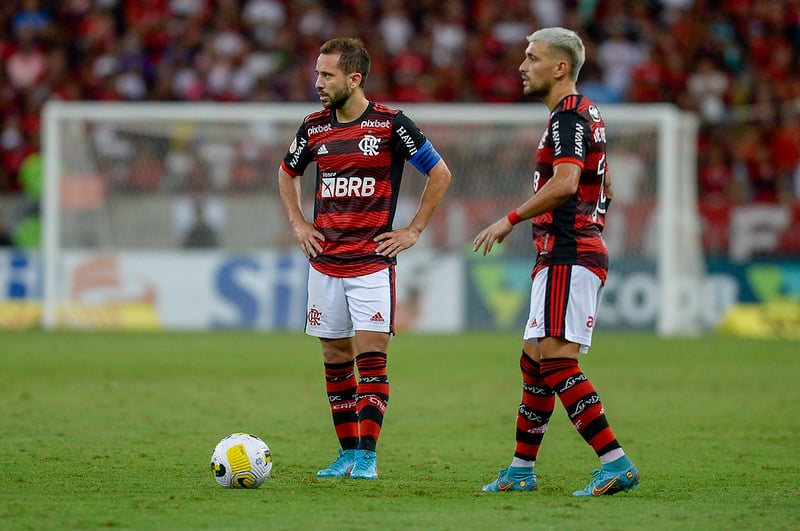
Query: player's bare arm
x=393 y=242
x=554 y=193
x=609 y=190
x=307 y=236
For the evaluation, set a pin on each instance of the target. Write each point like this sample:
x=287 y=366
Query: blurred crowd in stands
x=734 y=62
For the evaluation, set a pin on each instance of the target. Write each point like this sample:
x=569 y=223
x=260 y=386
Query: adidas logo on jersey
x=322 y=150
x=377 y=318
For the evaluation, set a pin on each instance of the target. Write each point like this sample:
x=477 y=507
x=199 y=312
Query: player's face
x=537 y=70
x=332 y=83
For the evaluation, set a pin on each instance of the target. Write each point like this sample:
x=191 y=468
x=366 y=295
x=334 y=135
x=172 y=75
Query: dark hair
x=353 y=56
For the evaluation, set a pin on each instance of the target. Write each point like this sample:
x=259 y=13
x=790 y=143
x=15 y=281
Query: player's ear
x=562 y=68
x=355 y=80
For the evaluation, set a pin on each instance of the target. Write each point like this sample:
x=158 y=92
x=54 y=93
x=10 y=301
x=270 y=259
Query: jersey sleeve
x=570 y=134
x=299 y=156
x=411 y=142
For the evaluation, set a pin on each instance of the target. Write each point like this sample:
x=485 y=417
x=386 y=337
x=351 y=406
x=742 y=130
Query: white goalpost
x=126 y=179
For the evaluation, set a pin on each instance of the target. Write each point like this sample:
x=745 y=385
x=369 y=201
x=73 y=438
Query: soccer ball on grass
x=241 y=461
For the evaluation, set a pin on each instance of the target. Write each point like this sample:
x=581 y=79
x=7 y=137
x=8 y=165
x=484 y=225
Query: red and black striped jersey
x=572 y=233
x=359 y=170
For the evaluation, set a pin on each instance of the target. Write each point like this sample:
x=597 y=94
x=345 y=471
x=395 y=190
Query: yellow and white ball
x=241 y=461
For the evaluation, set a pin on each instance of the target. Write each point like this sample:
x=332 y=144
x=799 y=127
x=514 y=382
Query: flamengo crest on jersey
x=359 y=169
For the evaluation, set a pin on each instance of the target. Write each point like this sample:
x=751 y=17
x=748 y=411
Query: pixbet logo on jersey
x=347 y=187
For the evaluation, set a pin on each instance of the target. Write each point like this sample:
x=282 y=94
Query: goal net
x=171 y=187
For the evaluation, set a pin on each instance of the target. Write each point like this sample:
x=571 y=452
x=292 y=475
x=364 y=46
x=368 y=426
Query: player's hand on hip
x=391 y=243
x=494 y=233
x=309 y=239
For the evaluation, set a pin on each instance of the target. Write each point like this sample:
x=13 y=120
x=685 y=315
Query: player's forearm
x=289 y=188
x=553 y=194
x=438 y=182
x=540 y=203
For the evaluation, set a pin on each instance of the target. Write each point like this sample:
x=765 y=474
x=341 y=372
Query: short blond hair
x=566 y=41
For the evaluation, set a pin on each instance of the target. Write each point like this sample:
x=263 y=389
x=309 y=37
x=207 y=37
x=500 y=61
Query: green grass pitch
x=115 y=430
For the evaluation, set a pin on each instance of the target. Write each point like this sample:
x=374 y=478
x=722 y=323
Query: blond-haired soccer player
x=571 y=192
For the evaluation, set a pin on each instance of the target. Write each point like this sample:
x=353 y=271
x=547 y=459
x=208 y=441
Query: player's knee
x=338 y=350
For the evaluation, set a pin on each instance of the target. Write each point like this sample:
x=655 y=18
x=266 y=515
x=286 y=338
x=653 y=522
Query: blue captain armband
x=426 y=158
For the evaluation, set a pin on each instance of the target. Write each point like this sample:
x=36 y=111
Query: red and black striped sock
x=538 y=402
x=580 y=399
x=372 y=397
x=340 y=383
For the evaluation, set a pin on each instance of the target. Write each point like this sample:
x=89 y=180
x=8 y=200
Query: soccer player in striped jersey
x=360 y=148
x=571 y=192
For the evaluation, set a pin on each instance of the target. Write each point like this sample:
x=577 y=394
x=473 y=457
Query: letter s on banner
x=241 y=298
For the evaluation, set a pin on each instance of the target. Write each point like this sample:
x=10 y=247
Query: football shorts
x=338 y=307
x=564 y=303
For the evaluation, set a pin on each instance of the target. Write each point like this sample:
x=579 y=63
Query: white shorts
x=564 y=303
x=337 y=307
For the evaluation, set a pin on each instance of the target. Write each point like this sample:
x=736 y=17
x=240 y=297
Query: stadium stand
x=734 y=62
